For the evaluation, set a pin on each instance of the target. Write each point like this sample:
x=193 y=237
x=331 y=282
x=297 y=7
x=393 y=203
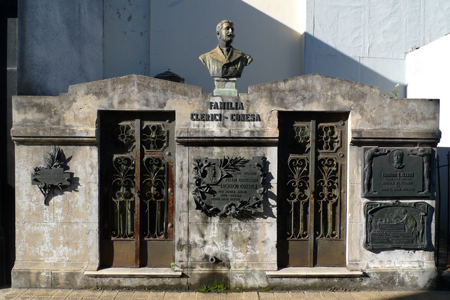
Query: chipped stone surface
x=56 y=244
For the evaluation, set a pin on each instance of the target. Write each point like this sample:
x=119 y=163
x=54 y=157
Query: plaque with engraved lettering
x=229 y=186
x=396 y=225
x=396 y=172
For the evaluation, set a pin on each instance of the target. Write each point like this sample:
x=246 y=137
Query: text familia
x=218 y=117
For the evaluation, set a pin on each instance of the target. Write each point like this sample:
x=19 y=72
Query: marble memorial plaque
x=229 y=186
x=396 y=226
x=394 y=172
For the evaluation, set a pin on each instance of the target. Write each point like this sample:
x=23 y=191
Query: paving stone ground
x=44 y=294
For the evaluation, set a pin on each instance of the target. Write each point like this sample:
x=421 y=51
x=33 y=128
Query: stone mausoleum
x=307 y=182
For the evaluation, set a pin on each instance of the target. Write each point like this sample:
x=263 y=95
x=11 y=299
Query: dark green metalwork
x=53 y=174
x=123 y=196
x=327 y=180
x=298 y=197
x=124 y=136
x=229 y=186
x=329 y=136
x=397 y=225
x=127 y=187
x=154 y=195
x=314 y=153
x=137 y=170
x=315 y=206
x=396 y=172
x=154 y=136
x=327 y=197
x=302 y=136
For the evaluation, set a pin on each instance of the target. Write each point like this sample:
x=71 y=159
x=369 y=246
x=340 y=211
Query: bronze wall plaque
x=396 y=225
x=229 y=186
x=394 y=172
x=53 y=174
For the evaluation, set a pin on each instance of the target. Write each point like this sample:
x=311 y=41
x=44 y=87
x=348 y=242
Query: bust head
x=225 y=61
x=398 y=159
x=225 y=33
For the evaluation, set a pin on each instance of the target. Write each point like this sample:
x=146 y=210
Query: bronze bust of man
x=224 y=61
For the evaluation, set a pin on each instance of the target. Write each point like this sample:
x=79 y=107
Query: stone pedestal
x=225 y=87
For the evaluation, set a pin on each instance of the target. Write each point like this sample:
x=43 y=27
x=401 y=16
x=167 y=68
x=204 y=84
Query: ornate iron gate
x=137 y=183
x=312 y=206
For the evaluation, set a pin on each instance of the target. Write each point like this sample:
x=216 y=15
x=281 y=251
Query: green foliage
x=173 y=266
x=214 y=288
x=394 y=93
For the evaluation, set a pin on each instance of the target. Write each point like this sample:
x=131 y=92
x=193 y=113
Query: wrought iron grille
x=298 y=198
x=313 y=149
x=154 y=136
x=154 y=195
x=123 y=196
x=329 y=136
x=137 y=188
x=327 y=172
x=152 y=181
x=328 y=197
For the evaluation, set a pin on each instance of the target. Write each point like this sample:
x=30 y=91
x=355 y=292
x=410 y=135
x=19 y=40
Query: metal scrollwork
x=229 y=186
x=140 y=192
x=302 y=134
x=154 y=195
x=329 y=136
x=328 y=196
x=154 y=136
x=123 y=197
x=52 y=175
x=124 y=134
x=298 y=196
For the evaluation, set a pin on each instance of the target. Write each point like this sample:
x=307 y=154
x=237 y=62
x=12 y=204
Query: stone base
x=234 y=279
x=225 y=87
x=79 y=280
x=237 y=279
x=373 y=279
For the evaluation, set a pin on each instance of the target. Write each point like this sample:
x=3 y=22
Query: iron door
x=312 y=189
x=136 y=188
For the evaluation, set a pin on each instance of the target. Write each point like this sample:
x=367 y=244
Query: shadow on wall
x=279 y=51
x=183 y=30
x=444 y=187
x=323 y=59
x=55 y=52
x=59 y=43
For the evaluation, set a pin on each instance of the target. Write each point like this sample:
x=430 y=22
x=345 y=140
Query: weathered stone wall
x=374 y=120
x=59 y=244
x=62 y=236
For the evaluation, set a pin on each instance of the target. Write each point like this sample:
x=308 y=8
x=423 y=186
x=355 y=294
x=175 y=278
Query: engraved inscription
x=396 y=225
x=220 y=116
x=396 y=172
x=229 y=186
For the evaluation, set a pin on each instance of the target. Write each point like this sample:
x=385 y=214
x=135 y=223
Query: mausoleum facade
x=311 y=181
